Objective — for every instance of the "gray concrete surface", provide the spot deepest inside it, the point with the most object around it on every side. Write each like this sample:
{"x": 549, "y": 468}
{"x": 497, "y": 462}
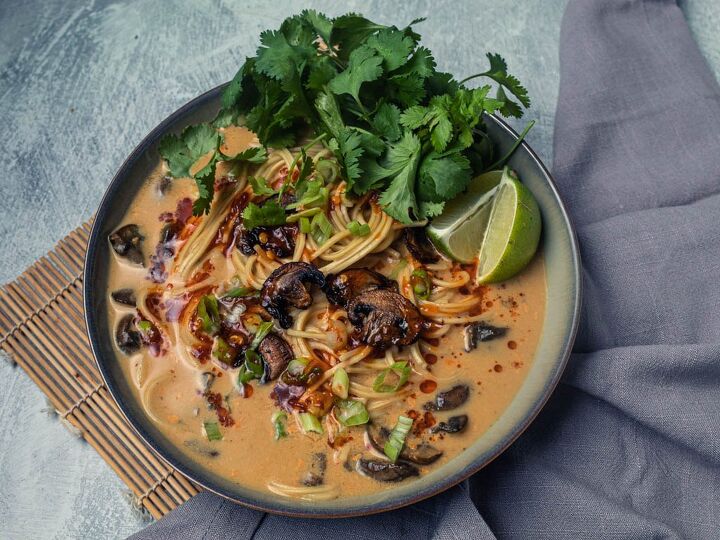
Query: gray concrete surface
{"x": 82, "y": 82}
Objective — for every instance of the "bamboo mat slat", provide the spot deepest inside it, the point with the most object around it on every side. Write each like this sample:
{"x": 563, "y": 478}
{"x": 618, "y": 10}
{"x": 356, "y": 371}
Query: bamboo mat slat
{"x": 42, "y": 329}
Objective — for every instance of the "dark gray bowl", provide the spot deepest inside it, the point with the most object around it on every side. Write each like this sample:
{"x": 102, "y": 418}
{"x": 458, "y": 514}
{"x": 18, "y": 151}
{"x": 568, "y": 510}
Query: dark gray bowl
{"x": 563, "y": 304}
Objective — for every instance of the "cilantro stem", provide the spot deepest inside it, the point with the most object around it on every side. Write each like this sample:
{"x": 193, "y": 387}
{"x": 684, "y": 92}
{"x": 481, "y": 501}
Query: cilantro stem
{"x": 304, "y": 149}
{"x": 500, "y": 162}
{"x": 471, "y": 77}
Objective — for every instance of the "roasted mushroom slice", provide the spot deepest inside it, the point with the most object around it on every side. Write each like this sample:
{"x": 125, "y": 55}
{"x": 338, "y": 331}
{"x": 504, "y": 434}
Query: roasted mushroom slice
{"x": 455, "y": 424}
{"x": 127, "y": 242}
{"x": 420, "y": 246}
{"x": 126, "y": 336}
{"x": 384, "y": 318}
{"x": 481, "y": 331}
{"x": 279, "y": 240}
{"x": 386, "y": 471}
{"x": 125, "y": 297}
{"x": 316, "y": 473}
{"x": 276, "y": 354}
{"x": 450, "y": 399}
{"x": 288, "y": 286}
{"x": 419, "y": 452}
{"x": 343, "y": 287}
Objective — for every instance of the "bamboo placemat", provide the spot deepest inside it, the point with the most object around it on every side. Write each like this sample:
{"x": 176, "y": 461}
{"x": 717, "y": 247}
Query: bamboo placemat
{"x": 42, "y": 329}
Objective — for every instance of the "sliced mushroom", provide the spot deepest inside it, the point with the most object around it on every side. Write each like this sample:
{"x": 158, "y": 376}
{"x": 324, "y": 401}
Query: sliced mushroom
{"x": 420, "y": 245}
{"x": 386, "y": 471}
{"x": 316, "y": 474}
{"x": 126, "y": 336}
{"x": 455, "y": 424}
{"x": 287, "y": 287}
{"x": 450, "y": 399}
{"x": 127, "y": 242}
{"x": 125, "y": 297}
{"x": 384, "y": 318}
{"x": 276, "y": 354}
{"x": 341, "y": 288}
{"x": 419, "y": 452}
{"x": 279, "y": 240}
{"x": 481, "y": 331}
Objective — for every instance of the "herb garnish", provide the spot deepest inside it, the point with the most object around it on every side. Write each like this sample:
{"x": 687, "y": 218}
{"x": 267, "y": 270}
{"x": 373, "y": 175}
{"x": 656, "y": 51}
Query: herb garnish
{"x": 395, "y": 123}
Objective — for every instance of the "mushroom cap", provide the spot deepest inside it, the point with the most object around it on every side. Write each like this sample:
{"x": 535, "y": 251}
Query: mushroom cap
{"x": 127, "y": 242}
{"x": 420, "y": 246}
{"x": 450, "y": 399}
{"x": 276, "y": 353}
{"x": 384, "y": 318}
{"x": 287, "y": 286}
{"x": 343, "y": 287}
{"x": 386, "y": 471}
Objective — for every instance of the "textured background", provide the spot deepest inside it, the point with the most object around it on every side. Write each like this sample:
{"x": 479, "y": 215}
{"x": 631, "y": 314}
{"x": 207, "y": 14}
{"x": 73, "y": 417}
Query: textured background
{"x": 82, "y": 82}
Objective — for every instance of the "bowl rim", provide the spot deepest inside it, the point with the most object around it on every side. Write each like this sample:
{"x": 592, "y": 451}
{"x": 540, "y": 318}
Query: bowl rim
{"x": 285, "y": 508}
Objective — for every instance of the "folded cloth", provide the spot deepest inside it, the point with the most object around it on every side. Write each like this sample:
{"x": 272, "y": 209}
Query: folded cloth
{"x": 629, "y": 445}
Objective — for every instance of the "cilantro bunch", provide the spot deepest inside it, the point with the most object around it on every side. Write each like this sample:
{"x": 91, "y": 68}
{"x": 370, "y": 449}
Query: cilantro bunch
{"x": 373, "y": 95}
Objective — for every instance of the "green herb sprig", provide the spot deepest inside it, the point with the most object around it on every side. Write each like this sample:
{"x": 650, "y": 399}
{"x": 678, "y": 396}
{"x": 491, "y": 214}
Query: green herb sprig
{"x": 374, "y": 97}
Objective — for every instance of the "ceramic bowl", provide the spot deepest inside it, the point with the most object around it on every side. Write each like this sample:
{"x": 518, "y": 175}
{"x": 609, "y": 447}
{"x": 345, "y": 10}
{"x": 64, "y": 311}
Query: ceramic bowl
{"x": 562, "y": 266}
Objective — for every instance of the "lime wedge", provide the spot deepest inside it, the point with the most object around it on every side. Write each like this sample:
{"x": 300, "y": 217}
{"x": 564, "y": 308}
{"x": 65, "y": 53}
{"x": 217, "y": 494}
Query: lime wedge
{"x": 457, "y": 232}
{"x": 512, "y": 233}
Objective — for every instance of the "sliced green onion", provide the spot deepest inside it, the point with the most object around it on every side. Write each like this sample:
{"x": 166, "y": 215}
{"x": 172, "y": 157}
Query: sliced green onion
{"x": 399, "y": 369}
{"x": 223, "y": 351}
{"x": 396, "y": 441}
{"x": 402, "y": 263}
{"x": 421, "y": 283}
{"x": 351, "y": 412}
{"x": 212, "y": 431}
{"x": 144, "y": 326}
{"x": 340, "y": 383}
{"x": 278, "y": 421}
{"x": 309, "y": 422}
{"x": 262, "y": 331}
{"x": 358, "y": 229}
{"x": 305, "y": 225}
{"x": 321, "y": 229}
{"x": 304, "y": 214}
{"x": 310, "y": 194}
{"x": 296, "y": 367}
{"x": 260, "y": 186}
{"x": 239, "y": 292}
{"x": 209, "y": 314}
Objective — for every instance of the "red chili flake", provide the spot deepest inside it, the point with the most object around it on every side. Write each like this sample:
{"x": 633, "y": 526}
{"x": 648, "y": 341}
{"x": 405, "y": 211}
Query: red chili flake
{"x": 512, "y": 345}
{"x": 216, "y": 402}
{"x": 498, "y": 368}
{"x": 427, "y": 421}
{"x": 412, "y": 414}
{"x": 428, "y": 386}
{"x": 201, "y": 351}
{"x": 431, "y": 359}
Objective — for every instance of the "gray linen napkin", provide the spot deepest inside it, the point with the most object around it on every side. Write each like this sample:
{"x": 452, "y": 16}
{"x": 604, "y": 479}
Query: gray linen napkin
{"x": 629, "y": 445}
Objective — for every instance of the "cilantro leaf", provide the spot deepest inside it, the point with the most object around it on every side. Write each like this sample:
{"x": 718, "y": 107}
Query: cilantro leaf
{"x": 393, "y": 46}
{"x": 364, "y": 66}
{"x": 260, "y": 187}
{"x": 398, "y": 200}
{"x": 443, "y": 177}
{"x": 350, "y": 31}
{"x": 206, "y": 190}
{"x": 268, "y": 215}
{"x": 182, "y": 152}
{"x": 254, "y": 154}
{"x": 387, "y": 121}
{"x": 320, "y": 23}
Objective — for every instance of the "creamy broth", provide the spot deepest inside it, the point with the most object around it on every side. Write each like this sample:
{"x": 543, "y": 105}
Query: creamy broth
{"x": 169, "y": 382}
